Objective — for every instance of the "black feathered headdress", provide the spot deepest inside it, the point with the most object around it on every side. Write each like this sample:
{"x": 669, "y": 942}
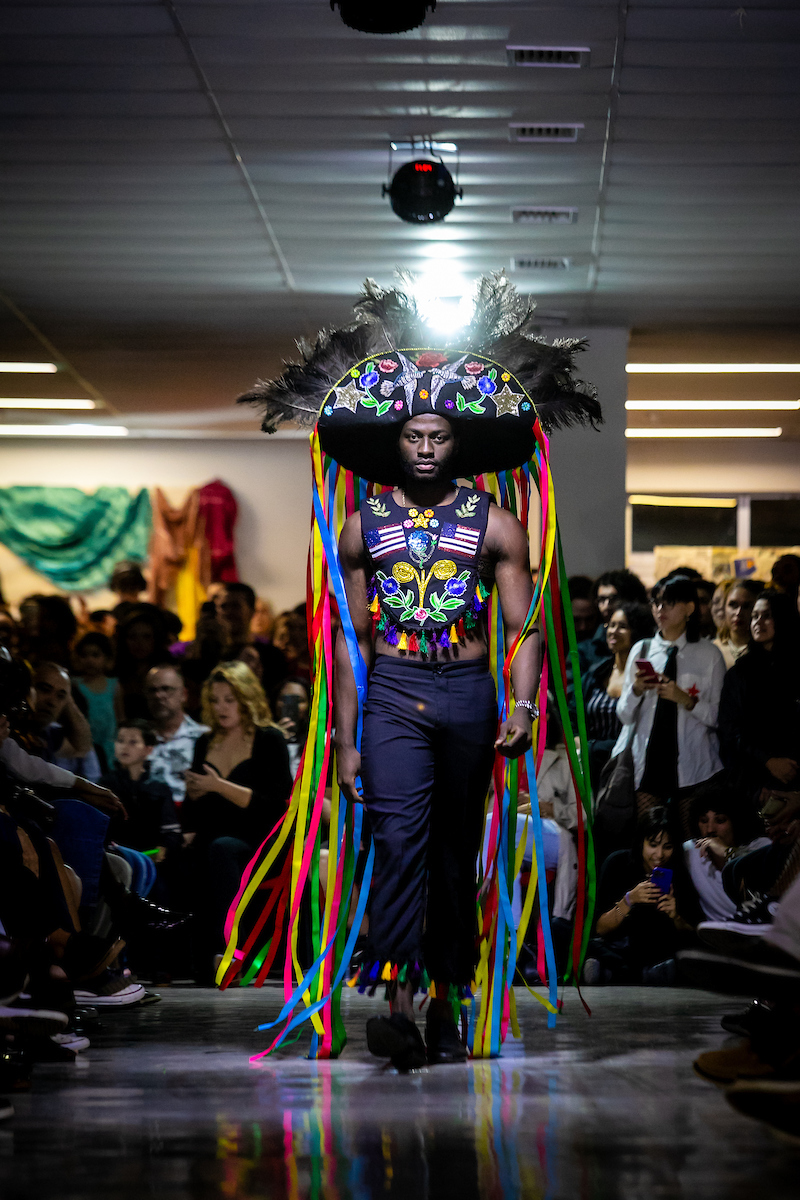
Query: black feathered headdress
{"x": 361, "y": 383}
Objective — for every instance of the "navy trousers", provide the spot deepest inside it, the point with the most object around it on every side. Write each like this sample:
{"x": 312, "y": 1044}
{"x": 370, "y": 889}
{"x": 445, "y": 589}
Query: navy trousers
{"x": 427, "y": 751}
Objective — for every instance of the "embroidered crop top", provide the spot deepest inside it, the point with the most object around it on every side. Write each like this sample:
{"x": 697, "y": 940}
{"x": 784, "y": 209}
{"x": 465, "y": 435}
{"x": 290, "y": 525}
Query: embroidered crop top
{"x": 425, "y": 591}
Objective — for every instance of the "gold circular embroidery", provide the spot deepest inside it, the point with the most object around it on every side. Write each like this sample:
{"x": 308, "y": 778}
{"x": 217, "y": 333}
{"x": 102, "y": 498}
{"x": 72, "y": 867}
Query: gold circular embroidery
{"x": 402, "y": 572}
{"x": 428, "y": 512}
{"x": 445, "y": 569}
{"x": 412, "y": 512}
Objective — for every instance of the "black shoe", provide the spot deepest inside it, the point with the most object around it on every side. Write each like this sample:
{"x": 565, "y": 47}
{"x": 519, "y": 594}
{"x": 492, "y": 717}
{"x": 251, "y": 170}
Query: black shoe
{"x": 749, "y": 1020}
{"x": 444, "y": 1044}
{"x": 526, "y": 966}
{"x": 398, "y": 1039}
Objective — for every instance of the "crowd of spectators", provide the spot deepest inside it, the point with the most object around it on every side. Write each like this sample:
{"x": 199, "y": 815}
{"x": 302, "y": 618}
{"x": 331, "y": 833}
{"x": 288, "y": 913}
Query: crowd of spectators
{"x": 691, "y": 700}
{"x": 140, "y": 772}
{"x": 138, "y": 775}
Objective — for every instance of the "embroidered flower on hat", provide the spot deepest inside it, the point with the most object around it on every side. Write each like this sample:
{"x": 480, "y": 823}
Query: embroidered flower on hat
{"x": 431, "y": 358}
{"x": 328, "y": 410}
{"x": 449, "y": 404}
{"x": 390, "y": 587}
{"x": 455, "y": 587}
{"x": 423, "y": 394}
{"x": 421, "y": 614}
{"x": 386, "y": 365}
{"x": 487, "y": 385}
{"x": 399, "y": 405}
{"x": 408, "y": 524}
{"x": 475, "y": 368}
{"x": 370, "y": 379}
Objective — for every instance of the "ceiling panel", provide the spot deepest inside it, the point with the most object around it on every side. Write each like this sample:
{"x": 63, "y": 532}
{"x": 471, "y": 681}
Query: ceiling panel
{"x": 125, "y": 222}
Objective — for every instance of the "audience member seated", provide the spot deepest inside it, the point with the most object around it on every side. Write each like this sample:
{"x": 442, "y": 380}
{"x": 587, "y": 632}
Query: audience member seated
{"x": 733, "y": 636}
{"x": 236, "y": 792}
{"x": 48, "y": 629}
{"x": 607, "y": 592}
{"x": 584, "y": 610}
{"x": 61, "y": 733}
{"x": 93, "y": 658}
{"x": 786, "y": 575}
{"x": 291, "y": 711}
{"x": 602, "y": 685}
{"x": 128, "y": 583}
{"x": 176, "y": 732}
{"x": 141, "y": 645}
{"x": 669, "y": 712}
{"x": 759, "y": 717}
{"x": 647, "y": 910}
{"x": 236, "y": 607}
{"x": 722, "y": 832}
{"x": 290, "y": 636}
{"x": 152, "y": 824}
{"x": 198, "y": 658}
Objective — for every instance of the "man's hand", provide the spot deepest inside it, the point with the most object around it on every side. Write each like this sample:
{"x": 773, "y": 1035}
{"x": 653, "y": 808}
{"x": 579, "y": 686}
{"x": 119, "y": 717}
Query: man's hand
{"x": 100, "y": 797}
{"x": 712, "y": 849}
{"x": 348, "y": 767}
{"x": 515, "y": 738}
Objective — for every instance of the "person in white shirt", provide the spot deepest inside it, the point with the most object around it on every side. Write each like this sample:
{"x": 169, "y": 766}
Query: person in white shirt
{"x": 175, "y": 730}
{"x": 716, "y": 822}
{"x": 668, "y": 709}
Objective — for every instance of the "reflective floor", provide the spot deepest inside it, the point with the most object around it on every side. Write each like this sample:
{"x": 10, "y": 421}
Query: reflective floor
{"x": 165, "y": 1105}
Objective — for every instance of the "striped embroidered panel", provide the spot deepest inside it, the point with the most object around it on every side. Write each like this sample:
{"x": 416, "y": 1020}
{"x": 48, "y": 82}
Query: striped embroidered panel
{"x": 459, "y": 539}
{"x": 386, "y": 540}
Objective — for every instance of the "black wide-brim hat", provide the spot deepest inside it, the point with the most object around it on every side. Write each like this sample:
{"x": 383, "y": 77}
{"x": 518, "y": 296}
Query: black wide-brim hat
{"x": 360, "y": 388}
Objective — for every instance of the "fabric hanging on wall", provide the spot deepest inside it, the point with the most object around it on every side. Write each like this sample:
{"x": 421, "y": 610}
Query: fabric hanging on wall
{"x": 219, "y": 510}
{"x": 179, "y": 558}
{"x": 72, "y": 537}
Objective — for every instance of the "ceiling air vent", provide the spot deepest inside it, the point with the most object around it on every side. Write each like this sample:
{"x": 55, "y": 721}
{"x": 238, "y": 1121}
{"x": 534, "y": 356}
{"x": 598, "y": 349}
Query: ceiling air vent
{"x": 541, "y": 215}
{"x": 530, "y": 263}
{"x": 543, "y": 133}
{"x": 548, "y": 56}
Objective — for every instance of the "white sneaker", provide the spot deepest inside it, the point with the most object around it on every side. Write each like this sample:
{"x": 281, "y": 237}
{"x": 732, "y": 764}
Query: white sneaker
{"x": 113, "y": 993}
{"x": 71, "y": 1041}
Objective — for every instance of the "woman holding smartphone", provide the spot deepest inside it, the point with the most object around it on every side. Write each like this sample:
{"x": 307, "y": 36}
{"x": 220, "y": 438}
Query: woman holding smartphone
{"x": 670, "y": 700}
{"x": 647, "y": 910}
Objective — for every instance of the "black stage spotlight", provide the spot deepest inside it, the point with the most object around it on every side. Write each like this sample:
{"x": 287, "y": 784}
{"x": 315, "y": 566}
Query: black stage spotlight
{"x": 383, "y": 16}
{"x": 422, "y": 191}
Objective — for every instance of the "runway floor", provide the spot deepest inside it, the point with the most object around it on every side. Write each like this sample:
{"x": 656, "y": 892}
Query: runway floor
{"x": 165, "y": 1105}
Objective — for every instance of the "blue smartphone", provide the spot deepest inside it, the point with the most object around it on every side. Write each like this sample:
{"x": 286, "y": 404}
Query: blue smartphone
{"x": 662, "y": 878}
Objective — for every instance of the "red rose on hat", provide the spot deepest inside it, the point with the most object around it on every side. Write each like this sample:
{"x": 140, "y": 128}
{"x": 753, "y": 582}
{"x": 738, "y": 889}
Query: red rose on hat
{"x": 386, "y": 365}
{"x": 475, "y": 368}
{"x": 431, "y": 358}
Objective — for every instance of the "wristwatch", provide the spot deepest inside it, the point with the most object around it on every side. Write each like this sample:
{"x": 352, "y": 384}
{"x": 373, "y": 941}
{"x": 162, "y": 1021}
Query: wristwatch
{"x": 530, "y": 707}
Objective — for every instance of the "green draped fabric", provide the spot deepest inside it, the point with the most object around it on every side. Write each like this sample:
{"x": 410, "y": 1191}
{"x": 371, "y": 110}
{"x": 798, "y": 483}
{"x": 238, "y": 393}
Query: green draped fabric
{"x": 73, "y": 537}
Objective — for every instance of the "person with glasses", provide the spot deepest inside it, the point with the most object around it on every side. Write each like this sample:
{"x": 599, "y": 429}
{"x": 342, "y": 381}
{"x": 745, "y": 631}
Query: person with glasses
{"x": 176, "y": 731}
{"x": 669, "y": 702}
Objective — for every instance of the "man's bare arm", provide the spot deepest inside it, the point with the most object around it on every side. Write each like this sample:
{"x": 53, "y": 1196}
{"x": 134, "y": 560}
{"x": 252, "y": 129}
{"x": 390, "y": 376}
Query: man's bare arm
{"x": 77, "y": 735}
{"x": 354, "y": 569}
{"x": 508, "y": 544}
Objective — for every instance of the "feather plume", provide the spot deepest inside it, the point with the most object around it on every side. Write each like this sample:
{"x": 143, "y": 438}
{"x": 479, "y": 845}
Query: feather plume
{"x": 502, "y": 327}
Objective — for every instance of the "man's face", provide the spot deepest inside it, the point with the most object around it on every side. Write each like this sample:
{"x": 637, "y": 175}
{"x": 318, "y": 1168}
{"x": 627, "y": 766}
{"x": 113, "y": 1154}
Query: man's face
{"x": 52, "y": 688}
{"x": 584, "y": 614}
{"x": 236, "y": 613}
{"x": 606, "y": 601}
{"x": 165, "y": 694}
{"x": 427, "y": 446}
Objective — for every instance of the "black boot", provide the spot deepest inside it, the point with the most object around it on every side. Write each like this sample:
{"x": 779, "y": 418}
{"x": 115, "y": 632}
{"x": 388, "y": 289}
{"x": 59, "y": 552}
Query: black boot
{"x": 398, "y": 1039}
{"x": 443, "y": 1041}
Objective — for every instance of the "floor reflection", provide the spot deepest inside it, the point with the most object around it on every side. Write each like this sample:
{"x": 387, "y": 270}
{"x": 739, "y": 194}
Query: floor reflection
{"x": 343, "y": 1136}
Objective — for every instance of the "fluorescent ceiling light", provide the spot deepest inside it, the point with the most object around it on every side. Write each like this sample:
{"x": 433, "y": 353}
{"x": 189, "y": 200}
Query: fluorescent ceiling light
{"x": 711, "y": 405}
{"x": 683, "y": 501}
{"x": 760, "y": 432}
{"x": 63, "y": 431}
{"x": 32, "y": 368}
{"x": 29, "y": 402}
{"x": 710, "y": 368}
